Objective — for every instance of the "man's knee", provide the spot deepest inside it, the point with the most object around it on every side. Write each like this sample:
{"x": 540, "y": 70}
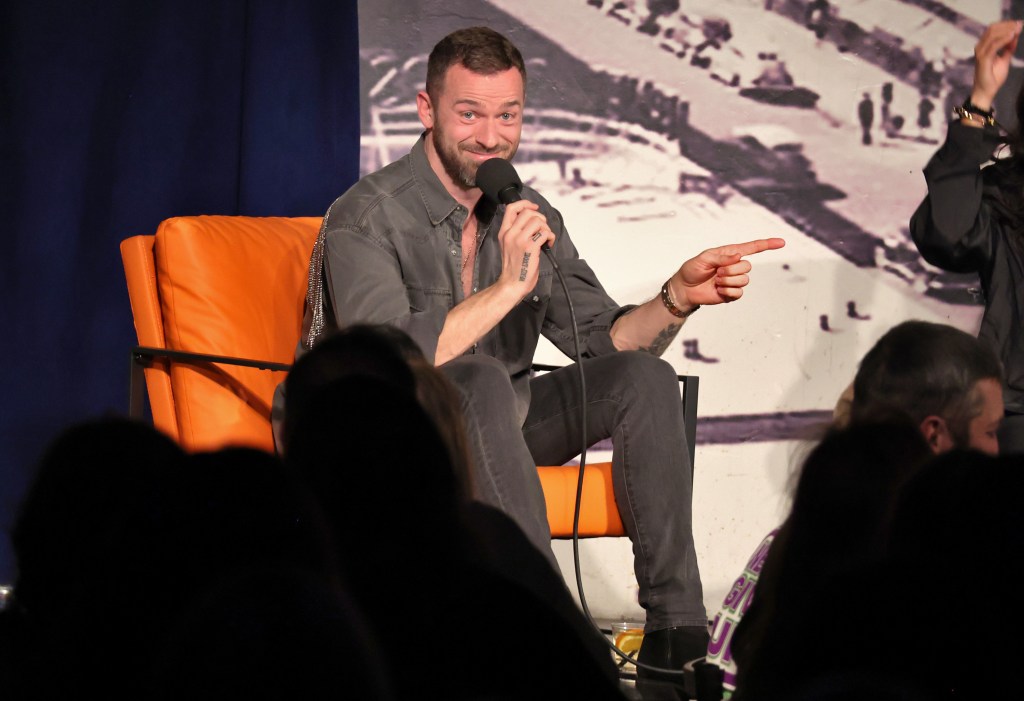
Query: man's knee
{"x": 645, "y": 384}
{"x": 644, "y": 372}
{"x": 479, "y": 376}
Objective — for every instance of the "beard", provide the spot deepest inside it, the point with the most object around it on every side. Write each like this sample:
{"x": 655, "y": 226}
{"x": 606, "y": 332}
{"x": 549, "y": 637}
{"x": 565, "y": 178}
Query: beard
{"x": 460, "y": 168}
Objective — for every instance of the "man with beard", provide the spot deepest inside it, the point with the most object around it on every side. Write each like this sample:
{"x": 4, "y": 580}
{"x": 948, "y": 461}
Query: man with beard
{"x": 415, "y": 245}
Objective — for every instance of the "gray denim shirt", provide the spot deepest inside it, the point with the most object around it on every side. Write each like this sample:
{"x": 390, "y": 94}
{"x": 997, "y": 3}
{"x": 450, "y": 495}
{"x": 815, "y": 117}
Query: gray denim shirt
{"x": 390, "y": 252}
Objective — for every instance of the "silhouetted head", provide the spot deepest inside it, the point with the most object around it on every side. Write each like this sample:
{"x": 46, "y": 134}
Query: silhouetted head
{"x": 846, "y": 489}
{"x": 102, "y": 492}
{"x": 97, "y": 575}
{"x": 380, "y": 352}
{"x": 835, "y": 533}
{"x": 378, "y": 467}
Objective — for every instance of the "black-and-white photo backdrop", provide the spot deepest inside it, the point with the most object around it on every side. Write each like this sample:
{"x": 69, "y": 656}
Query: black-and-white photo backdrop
{"x": 663, "y": 127}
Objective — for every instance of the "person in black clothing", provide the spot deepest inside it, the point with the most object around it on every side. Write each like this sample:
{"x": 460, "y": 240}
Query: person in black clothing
{"x": 866, "y": 115}
{"x": 973, "y": 218}
{"x": 924, "y": 113}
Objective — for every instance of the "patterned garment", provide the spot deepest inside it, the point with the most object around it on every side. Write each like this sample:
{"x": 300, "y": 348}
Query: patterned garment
{"x": 736, "y": 603}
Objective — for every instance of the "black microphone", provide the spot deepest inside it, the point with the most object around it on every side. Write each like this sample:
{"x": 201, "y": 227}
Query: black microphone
{"x": 500, "y": 183}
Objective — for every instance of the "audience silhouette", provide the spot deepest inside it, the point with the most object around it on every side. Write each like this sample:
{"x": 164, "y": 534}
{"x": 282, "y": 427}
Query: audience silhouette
{"x": 495, "y": 541}
{"x": 147, "y": 573}
{"x": 271, "y": 632}
{"x": 398, "y": 513}
{"x": 359, "y": 565}
{"x": 97, "y": 573}
{"x": 835, "y": 531}
{"x": 953, "y": 554}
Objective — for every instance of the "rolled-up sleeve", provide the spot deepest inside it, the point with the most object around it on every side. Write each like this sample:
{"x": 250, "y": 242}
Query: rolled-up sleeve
{"x": 595, "y": 310}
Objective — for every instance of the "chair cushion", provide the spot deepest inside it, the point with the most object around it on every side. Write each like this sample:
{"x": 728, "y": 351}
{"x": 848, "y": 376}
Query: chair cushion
{"x": 599, "y": 514}
{"x": 231, "y": 286}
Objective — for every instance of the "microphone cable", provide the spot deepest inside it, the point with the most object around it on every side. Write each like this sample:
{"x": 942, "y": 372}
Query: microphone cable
{"x": 498, "y": 180}
{"x": 579, "y": 482}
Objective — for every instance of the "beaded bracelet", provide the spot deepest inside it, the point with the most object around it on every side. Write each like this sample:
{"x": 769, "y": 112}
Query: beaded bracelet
{"x": 670, "y": 304}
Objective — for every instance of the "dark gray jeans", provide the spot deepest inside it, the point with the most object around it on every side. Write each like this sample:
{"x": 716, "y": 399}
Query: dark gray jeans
{"x": 633, "y": 398}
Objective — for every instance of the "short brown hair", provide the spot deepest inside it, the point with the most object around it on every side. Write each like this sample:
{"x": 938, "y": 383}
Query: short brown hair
{"x": 480, "y": 49}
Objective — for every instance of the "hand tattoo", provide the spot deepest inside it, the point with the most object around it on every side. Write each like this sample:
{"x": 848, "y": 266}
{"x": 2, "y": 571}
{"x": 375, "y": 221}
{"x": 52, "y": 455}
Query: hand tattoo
{"x": 522, "y": 270}
{"x": 661, "y": 341}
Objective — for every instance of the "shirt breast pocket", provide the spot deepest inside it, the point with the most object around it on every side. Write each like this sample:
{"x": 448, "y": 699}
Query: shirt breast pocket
{"x": 425, "y": 299}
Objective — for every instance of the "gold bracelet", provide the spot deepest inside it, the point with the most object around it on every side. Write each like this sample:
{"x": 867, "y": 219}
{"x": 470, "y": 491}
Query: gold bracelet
{"x": 983, "y": 119}
{"x": 670, "y": 304}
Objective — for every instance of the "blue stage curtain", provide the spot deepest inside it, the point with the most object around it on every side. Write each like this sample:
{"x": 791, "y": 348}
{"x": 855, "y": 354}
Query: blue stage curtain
{"x": 115, "y": 115}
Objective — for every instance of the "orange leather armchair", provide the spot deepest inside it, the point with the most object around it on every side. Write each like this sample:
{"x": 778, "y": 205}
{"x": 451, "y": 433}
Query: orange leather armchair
{"x": 218, "y": 304}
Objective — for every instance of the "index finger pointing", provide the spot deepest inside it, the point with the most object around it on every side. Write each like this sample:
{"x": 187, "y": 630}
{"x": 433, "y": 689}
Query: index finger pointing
{"x": 752, "y": 247}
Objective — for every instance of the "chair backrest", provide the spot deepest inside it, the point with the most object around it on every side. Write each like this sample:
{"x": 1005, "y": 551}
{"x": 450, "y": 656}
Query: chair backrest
{"x": 221, "y": 285}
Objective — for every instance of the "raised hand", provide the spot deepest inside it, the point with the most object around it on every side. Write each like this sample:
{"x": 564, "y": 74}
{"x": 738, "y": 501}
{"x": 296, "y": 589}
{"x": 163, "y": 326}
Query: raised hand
{"x": 992, "y": 56}
{"x": 718, "y": 275}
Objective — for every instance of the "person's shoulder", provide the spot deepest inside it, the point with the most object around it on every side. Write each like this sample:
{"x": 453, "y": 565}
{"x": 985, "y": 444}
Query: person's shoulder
{"x": 357, "y": 205}
{"x": 546, "y": 208}
{"x": 529, "y": 193}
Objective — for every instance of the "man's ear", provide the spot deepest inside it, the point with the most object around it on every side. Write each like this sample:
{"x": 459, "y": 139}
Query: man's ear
{"x": 936, "y": 432}
{"x": 425, "y": 109}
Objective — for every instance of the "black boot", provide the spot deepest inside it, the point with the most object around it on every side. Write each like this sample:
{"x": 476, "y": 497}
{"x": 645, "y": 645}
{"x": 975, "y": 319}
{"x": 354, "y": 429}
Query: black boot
{"x": 669, "y": 648}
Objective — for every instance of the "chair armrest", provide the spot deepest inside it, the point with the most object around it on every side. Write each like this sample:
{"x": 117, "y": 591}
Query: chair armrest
{"x": 143, "y": 356}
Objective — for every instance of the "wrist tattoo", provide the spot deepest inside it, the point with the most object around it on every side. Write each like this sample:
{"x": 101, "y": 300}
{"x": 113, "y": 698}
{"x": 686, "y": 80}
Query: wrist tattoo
{"x": 662, "y": 340}
{"x": 522, "y": 270}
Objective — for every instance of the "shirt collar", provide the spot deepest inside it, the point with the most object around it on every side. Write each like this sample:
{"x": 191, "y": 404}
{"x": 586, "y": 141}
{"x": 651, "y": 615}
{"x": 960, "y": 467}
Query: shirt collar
{"x": 437, "y": 200}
